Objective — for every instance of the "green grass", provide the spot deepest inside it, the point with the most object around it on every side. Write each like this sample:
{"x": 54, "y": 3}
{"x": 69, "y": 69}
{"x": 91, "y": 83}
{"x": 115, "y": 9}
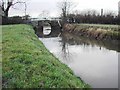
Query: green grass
{"x": 28, "y": 64}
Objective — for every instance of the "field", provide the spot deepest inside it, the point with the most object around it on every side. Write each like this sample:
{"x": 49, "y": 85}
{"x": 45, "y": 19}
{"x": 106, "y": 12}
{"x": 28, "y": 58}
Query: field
{"x": 28, "y": 64}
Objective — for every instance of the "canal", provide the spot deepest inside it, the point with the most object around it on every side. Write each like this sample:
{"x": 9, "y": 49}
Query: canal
{"x": 95, "y": 62}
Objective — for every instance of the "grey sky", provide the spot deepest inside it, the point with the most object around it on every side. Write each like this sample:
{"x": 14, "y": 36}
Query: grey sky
{"x": 36, "y": 7}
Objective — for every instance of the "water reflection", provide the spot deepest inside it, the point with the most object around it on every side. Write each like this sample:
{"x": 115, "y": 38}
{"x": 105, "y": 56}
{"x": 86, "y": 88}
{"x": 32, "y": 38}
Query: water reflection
{"x": 65, "y": 53}
{"x": 46, "y": 30}
{"x": 96, "y": 62}
{"x": 75, "y": 40}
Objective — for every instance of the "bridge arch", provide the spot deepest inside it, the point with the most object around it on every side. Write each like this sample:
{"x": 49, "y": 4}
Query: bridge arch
{"x": 55, "y": 27}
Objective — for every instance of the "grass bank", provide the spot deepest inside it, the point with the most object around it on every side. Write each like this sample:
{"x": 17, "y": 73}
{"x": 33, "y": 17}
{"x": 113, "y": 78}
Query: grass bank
{"x": 96, "y": 31}
{"x": 28, "y": 64}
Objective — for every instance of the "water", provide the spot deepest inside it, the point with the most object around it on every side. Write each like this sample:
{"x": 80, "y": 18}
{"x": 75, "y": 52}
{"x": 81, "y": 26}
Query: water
{"x": 94, "y": 62}
{"x": 46, "y": 30}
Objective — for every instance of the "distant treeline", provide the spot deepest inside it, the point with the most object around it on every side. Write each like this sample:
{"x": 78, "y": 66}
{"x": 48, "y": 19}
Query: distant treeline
{"x": 94, "y": 18}
{"x": 14, "y": 20}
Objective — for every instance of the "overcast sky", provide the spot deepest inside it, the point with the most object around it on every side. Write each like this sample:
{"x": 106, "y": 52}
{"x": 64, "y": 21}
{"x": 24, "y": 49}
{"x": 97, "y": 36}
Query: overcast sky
{"x": 36, "y": 7}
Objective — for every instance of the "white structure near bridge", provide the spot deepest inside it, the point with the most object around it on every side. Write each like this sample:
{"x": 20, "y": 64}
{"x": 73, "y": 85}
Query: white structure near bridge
{"x": 48, "y": 18}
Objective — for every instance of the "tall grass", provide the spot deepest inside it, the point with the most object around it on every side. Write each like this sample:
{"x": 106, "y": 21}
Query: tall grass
{"x": 98, "y": 31}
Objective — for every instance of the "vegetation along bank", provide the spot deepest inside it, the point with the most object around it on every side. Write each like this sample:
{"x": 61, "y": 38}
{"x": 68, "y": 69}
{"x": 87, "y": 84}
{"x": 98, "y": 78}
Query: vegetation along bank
{"x": 96, "y": 31}
{"x": 28, "y": 64}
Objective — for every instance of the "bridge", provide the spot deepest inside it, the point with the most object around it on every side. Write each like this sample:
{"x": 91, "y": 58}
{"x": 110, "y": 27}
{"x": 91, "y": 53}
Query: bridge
{"x": 39, "y": 23}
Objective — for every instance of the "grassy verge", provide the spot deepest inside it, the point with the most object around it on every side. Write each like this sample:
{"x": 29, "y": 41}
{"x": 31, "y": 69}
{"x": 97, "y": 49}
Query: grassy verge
{"x": 28, "y": 64}
{"x": 97, "y": 31}
{"x": 0, "y": 57}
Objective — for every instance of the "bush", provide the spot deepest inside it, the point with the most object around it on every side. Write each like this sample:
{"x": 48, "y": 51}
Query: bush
{"x": 12, "y": 20}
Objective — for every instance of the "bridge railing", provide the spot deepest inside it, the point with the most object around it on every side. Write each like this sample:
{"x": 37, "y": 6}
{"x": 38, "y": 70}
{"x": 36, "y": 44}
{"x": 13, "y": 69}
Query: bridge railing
{"x": 44, "y": 19}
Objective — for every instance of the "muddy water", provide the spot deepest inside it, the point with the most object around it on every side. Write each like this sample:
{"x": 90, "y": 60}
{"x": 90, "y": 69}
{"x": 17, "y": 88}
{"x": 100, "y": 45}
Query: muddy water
{"x": 95, "y": 62}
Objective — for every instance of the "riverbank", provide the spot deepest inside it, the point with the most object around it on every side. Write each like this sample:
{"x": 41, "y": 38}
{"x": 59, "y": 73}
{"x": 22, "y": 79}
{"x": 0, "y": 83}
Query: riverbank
{"x": 96, "y": 31}
{"x": 26, "y": 63}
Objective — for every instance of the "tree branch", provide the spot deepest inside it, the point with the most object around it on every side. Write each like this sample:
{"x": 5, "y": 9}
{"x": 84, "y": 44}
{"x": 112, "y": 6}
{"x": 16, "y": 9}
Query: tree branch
{"x": 17, "y": 3}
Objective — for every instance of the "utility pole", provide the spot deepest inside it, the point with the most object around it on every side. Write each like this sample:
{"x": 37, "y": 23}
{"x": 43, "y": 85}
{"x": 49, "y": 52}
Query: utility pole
{"x": 25, "y": 11}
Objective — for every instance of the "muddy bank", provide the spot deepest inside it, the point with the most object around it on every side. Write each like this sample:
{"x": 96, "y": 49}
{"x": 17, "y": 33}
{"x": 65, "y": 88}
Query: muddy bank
{"x": 98, "y": 32}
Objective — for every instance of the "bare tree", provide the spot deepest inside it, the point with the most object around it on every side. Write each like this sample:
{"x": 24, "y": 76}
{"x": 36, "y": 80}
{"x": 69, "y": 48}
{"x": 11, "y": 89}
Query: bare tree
{"x": 7, "y": 4}
{"x": 44, "y": 14}
{"x": 91, "y": 12}
{"x": 110, "y": 13}
{"x": 65, "y": 6}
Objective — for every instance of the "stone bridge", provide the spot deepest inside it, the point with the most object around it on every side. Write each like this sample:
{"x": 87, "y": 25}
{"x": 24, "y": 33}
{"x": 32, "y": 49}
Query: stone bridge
{"x": 56, "y": 26}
